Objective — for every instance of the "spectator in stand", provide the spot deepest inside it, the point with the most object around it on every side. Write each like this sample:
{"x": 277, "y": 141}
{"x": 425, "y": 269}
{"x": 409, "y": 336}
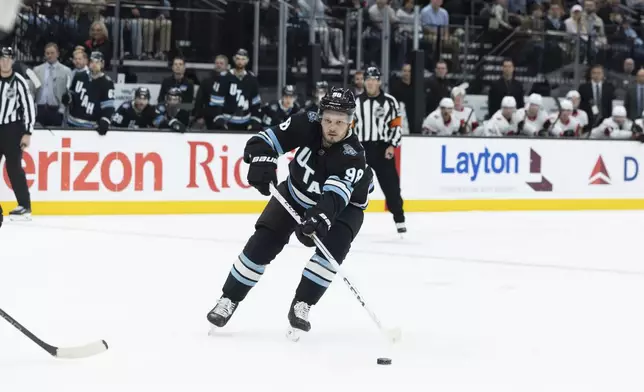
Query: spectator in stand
{"x": 608, "y": 10}
{"x": 157, "y": 22}
{"x": 80, "y": 60}
{"x": 99, "y": 41}
{"x": 555, "y": 46}
{"x": 624, "y": 80}
{"x": 597, "y": 96}
{"x": 179, "y": 80}
{"x": 598, "y": 41}
{"x": 373, "y": 35}
{"x": 505, "y": 86}
{"x": 435, "y": 20}
{"x": 499, "y": 23}
{"x": 635, "y": 4}
{"x": 575, "y": 25}
{"x": 54, "y": 78}
{"x": 438, "y": 86}
{"x": 405, "y": 16}
{"x": 532, "y": 50}
{"x": 334, "y": 54}
{"x": 634, "y": 101}
{"x": 358, "y": 83}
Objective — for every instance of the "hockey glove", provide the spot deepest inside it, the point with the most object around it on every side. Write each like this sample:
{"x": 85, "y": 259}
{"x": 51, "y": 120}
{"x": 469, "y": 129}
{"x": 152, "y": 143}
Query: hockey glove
{"x": 315, "y": 222}
{"x": 177, "y": 125}
{"x": 66, "y": 98}
{"x": 637, "y": 128}
{"x": 543, "y": 132}
{"x": 220, "y": 124}
{"x": 262, "y": 172}
{"x": 568, "y": 133}
{"x": 103, "y": 126}
{"x": 608, "y": 131}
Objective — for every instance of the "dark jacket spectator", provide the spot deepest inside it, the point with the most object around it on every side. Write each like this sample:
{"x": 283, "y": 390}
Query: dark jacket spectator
{"x": 99, "y": 41}
{"x": 438, "y": 86}
{"x": 604, "y": 104}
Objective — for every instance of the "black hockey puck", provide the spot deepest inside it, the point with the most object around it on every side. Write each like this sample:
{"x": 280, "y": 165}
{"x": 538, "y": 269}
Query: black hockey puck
{"x": 384, "y": 361}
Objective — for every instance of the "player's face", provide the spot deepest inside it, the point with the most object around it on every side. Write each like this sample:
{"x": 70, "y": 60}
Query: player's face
{"x": 241, "y": 61}
{"x": 6, "y": 63}
{"x": 140, "y": 103}
{"x": 178, "y": 66}
{"x": 565, "y": 115}
{"x": 533, "y": 110}
{"x": 96, "y": 66}
{"x": 358, "y": 80}
{"x": 575, "y": 102}
{"x": 335, "y": 126}
{"x": 446, "y": 113}
{"x": 507, "y": 112}
{"x": 288, "y": 100}
{"x": 80, "y": 61}
{"x": 221, "y": 65}
{"x": 619, "y": 119}
{"x": 319, "y": 94}
{"x": 172, "y": 101}
{"x": 372, "y": 85}
{"x": 459, "y": 100}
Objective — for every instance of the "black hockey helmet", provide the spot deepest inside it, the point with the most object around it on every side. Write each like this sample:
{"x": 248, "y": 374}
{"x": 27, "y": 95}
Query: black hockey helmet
{"x": 96, "y": 56}
{"x": 288, "y": 90}
{"x": 339, "y": 100}
{"x": 372, "y": 72}
{"x": 241, "y": 52}
{"x": 142, "y": 92}
{"x": 322, "y": 85}
{"x": 7, "y": 51}
{"x": 173, "y": 94}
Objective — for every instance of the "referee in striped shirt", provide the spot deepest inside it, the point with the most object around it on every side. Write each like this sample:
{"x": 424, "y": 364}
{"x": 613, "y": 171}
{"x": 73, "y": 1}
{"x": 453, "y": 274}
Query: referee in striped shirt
{"x": 17, "y": 117}
{"x": 379, "y": 129}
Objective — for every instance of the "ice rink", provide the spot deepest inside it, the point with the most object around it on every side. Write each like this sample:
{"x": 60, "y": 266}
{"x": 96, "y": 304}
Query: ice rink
{"x": 534, "y": 301}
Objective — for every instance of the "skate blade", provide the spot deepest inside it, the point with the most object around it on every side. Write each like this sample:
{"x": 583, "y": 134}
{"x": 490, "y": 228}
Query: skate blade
{"x": 294, "y": 334}
{"x": 20, "y": 218}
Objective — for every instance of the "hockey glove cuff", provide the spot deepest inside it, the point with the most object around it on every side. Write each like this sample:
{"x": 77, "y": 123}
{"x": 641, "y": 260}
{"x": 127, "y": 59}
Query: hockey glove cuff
{"x": 177, "y": 125}
{"x": 262, "y": 172}
{"x": 103, "y": 126}
{"x": 315, "y": 222}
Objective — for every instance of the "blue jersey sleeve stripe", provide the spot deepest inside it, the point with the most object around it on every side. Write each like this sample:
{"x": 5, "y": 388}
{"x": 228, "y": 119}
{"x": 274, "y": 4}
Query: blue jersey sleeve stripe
{"x": 276, "y": 142}
{"x": 108, "y": 104}
{"x": 264, "y": 137}
{"x": 248, "y": 263}
{"x": 339, "y": 191}
{"x": 341, "y": 184}
{"x": 316, "y": 279}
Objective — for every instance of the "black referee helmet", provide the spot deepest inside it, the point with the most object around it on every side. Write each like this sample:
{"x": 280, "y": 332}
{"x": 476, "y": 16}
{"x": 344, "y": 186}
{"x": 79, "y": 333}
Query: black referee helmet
{"x": 339, "y": 100}
{"x": 288, "y": 90}
{"x": 372, "y": 72}
{"x": 7, "y": 51}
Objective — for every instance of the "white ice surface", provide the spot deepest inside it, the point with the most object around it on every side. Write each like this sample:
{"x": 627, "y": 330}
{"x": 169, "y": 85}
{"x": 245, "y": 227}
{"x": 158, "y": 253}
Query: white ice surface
{"x": 487, "y": 302}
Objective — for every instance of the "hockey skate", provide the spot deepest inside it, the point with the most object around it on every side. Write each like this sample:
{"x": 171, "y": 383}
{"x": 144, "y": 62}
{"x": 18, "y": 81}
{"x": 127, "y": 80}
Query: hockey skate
{"x": 298, "y": 317}
{"x": 20, "y": 213}
{"x": 401, "y": 228}
{"x": 221, "y": 313}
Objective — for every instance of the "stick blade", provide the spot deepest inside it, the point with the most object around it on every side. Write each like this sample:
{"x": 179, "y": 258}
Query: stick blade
{"x": 85, "y": 351}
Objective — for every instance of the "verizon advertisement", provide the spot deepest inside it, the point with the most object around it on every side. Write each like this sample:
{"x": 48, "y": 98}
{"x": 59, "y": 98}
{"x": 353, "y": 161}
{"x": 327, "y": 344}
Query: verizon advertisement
{"x": 170, "y": 168}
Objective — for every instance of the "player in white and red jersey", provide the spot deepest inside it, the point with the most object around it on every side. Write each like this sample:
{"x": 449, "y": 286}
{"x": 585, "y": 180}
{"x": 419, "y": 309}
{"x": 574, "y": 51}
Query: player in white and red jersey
{"x": 580, "y": 115}
{"x": 618, "y": 126}
{"x": 504, "y": 122}
{"x": 533, "y": 119}
{"x": 465, "y": 116}
{"x": 564, "y": 124}
{"x": 441, "y": 121}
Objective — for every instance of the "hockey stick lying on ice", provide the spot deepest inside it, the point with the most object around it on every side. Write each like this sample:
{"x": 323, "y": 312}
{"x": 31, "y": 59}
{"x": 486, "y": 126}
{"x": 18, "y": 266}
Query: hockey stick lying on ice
{"x": 58, "y": 352}
{"x": 393, "y": 334}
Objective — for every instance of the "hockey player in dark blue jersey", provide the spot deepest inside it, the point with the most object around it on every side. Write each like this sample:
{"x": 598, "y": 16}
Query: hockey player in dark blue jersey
{"x": 170, "y": 115}
{"x": 328, "y": 184}
{"x": 279, "y": 110}
{"x": 137, "y": 113}
{"x": 91, "y": 97}
{"x": 235, "y": 101}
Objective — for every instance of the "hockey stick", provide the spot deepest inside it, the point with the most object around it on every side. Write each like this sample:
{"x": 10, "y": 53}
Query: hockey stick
{"x": 392, "y": 334}
{"x": 58, "y": 352}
